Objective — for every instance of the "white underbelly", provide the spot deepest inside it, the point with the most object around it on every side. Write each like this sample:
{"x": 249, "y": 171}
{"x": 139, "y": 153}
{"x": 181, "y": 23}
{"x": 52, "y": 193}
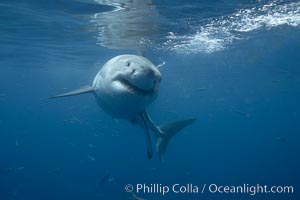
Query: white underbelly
{"x": 122, "y": 105}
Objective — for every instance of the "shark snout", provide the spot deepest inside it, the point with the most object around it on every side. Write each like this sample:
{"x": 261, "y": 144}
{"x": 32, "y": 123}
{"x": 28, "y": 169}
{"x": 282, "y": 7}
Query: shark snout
{"x": 146, "y": 78}
{"x": 156, "y": 78}
{"x": 155, "y": 85}
{"x": 156, "y": 82}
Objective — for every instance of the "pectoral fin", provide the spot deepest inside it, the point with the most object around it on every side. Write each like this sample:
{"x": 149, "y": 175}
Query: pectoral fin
{"x": 148, "y": 138}
{"x": 83, "y": 90}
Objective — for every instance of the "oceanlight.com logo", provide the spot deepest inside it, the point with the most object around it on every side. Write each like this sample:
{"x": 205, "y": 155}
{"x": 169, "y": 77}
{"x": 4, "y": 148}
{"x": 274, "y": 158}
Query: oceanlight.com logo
{"x": 207, "y": 188}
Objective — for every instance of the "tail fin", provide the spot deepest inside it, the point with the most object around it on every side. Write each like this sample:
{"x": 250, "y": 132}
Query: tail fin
{"x": 83, "y": 90}
{"x": 167, "y": 132}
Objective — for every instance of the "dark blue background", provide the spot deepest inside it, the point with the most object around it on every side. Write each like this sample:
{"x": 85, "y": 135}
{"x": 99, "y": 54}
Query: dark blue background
{"x": 245, "y": 98}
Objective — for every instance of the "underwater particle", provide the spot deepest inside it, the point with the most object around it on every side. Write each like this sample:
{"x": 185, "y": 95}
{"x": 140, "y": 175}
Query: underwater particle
{"x": 108, "y": 178}
{"x": 20, "y": 168}
{"x": 91, "y": 158}
{"x": 282, "y": 71}
{"x": 72, "y": 144}
{"x": 153, "y": 168}
{"x": 161, "y": 64}
{"x": 96, "y": 135}
{"x": 3, "y": 95}
{"x": 188, "y": 173}
{"x": 11, "y": 169}
{"x": 172, "y": 112}
{"x": 56, "y": 171}
{"x": 115, "y": 133}
{"x": 247, "y": 101}
{"x": 219, "y": 100}
{"x": 280, "y": 139}
{"x": 75, "y": 120}
{"x": 91, "y": 145}
{"x": 283, "y": 91}
{"x": 111, "y": 179}
{"x": 242, "y": 113}
{"x": 134, "y": 196}
{"x": 275, "y": 81}
{"x": 6, "y": 170}
{"x": 201, "y": 89}
{"x": 17, "y": 143}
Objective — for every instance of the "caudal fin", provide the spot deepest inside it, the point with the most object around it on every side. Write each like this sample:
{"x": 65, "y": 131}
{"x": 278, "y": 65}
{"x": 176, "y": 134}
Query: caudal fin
{"x": 83, "y": 90}
{"x": 167, "y": 132}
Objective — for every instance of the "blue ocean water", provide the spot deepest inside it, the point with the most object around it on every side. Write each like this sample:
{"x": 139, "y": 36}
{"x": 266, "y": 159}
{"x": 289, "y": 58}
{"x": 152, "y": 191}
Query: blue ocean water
{"x": 234, "y": 65}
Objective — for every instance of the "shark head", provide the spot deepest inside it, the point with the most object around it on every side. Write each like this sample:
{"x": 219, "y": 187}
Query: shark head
{"x": 137, "y": 76}
{"x": 126, "y": 84}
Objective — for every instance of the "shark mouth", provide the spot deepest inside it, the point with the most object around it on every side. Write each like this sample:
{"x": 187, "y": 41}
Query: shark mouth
{"x": 134, "y": 89}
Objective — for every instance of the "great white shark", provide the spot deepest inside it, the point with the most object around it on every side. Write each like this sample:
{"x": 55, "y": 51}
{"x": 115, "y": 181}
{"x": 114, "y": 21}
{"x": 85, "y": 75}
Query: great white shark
{"x": 123, "y": 88}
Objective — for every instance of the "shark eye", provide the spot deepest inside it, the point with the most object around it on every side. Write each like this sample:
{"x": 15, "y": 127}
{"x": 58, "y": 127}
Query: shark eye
{"x": 128, "y": 64}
